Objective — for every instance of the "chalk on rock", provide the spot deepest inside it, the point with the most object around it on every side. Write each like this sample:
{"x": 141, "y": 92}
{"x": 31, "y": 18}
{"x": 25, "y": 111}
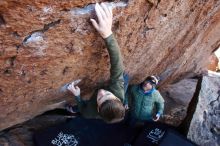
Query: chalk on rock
{"x": 89, "y": 8}
{"x": 34, "y": 38}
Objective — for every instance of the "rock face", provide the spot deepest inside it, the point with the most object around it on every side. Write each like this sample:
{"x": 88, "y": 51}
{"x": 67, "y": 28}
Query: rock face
{"x": 45, "y": 44}
{"x": 177, "y": 98}
{"x": 213, "y": 63}
{"x": 205, "y": 125}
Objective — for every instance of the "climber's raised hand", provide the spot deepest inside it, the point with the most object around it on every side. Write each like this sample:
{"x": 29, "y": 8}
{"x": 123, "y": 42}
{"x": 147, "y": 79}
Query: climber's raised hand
{"x": 104, "y": 24}
{"x": 74, "y": 89}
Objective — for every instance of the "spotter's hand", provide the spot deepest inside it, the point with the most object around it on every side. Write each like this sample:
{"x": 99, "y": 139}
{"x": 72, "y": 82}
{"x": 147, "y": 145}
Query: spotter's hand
{"x": 157, "y": 117}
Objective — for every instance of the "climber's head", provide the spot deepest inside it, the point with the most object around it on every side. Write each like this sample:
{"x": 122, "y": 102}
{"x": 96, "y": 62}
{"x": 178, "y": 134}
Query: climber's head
{"x": 110, "y": 107}
{"x": 149, "y": 83}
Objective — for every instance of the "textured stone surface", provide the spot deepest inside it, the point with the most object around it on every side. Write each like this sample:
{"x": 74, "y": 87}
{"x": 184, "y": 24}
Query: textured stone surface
{"x": 45, "y": 44}
{"x": 213, "y": 63}
{"x": 205, "y": 125}
{"x": 177, "y": 98}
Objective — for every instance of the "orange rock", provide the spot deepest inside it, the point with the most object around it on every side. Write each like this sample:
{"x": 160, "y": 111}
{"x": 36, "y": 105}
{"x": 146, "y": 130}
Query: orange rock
{"x": 213, "y": 63}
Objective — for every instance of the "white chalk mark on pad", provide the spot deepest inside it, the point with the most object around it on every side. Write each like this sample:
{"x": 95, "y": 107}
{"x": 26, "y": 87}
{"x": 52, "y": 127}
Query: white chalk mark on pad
{"x": 65, "y": 140}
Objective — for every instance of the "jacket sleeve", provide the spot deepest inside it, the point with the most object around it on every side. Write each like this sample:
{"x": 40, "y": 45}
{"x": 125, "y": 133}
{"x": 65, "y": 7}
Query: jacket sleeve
{"x": 128, "y": 96}
{"x": 126, "y": 99}
{"x": 116, "y": 85}
{"x": 159, "y": 103}
{"x": 81, "y": 103}
{"x": 88, "y": 108}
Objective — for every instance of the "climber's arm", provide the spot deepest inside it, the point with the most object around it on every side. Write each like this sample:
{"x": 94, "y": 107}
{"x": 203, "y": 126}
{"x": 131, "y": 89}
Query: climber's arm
{"x": 104, "y": 15}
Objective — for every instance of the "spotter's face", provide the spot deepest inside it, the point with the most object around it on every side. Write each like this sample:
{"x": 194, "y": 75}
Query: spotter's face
{"x": 147, "y": 86}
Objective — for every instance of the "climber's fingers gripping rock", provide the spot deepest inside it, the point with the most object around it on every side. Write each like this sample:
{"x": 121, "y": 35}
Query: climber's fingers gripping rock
{"x": 74, "y": 89}
{"x": 104, "y": 24}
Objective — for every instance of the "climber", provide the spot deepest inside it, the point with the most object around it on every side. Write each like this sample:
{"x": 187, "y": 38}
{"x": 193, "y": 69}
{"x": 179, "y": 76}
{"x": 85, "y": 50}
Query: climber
{"x": 140, "y": 99}
{"x": 107, "y": 103}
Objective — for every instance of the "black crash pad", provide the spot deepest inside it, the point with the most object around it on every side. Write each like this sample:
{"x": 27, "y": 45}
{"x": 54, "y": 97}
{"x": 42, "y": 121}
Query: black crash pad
{"x": 159, "y": 134}
{"x": 84, "y": 132}
{"x": 92, "y": 132}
